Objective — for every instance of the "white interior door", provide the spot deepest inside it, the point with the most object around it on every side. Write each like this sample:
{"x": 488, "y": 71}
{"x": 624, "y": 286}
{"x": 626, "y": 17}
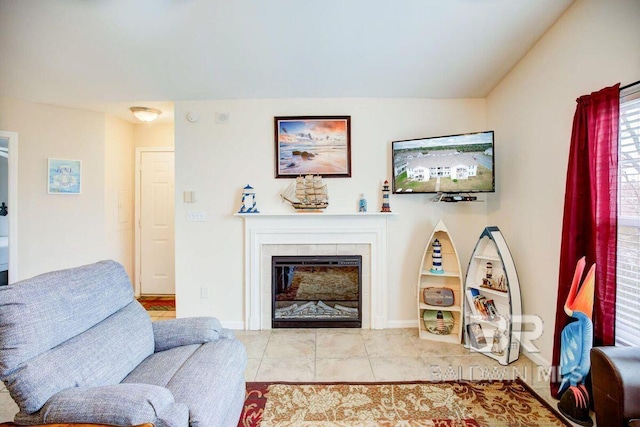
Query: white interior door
{"x": 157, "y": 260}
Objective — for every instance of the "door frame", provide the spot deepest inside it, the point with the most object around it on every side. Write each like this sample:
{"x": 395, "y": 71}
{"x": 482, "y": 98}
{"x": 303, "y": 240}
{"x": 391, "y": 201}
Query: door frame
{"x": 12, "y": 200}
{"x": 139, "y": 151}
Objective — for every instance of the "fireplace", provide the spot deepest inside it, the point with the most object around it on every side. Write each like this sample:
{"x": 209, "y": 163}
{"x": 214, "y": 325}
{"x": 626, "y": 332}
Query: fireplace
{"x": 314, "y": 234}
{"x": 316, "y": 291}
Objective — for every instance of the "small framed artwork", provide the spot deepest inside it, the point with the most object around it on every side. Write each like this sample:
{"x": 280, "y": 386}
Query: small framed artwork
{"x": 313, "y": 145}
{"x": 64, "y": 176}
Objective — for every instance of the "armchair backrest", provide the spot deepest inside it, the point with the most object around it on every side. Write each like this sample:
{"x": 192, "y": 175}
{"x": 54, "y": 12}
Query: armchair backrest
{"x": 70, "y": 328}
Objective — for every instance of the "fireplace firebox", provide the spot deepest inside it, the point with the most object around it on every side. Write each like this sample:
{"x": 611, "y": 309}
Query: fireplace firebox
{"x": 316, "y": 291}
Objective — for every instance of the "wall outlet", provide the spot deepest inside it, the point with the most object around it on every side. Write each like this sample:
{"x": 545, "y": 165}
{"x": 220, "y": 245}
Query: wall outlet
{"x": 204, "y": 292}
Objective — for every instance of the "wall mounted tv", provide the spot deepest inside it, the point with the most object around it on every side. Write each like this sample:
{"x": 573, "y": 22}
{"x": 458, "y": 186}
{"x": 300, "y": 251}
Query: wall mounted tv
{"x": 444, "y": 164}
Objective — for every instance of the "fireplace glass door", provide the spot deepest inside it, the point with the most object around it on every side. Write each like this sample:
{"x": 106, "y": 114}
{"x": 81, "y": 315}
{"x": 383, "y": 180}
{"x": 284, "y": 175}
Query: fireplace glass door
{"x": 316, "y": 291}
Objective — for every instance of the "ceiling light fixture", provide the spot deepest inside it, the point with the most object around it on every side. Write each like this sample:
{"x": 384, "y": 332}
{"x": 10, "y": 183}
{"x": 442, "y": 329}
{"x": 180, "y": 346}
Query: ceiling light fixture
{"x": 145, "y": 114}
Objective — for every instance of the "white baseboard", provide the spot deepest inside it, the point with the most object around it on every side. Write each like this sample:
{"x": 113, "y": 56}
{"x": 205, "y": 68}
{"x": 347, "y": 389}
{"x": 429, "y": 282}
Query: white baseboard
{"x": 536, "y": 358}
{"x": 403, "y": 324}
{"x": 237, "y": 325}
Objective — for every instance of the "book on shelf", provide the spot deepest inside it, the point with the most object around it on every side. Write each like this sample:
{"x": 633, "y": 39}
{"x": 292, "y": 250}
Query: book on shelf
{"x": 492, "y": 311}
{"x": 472, "y": 294}
{"x": 481, "y": 306}
{"x": 476, "y": 335}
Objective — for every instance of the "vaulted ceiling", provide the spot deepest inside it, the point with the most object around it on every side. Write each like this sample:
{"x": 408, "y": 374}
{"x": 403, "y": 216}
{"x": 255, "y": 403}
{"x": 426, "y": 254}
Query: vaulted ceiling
{"x": 99, "y": 54}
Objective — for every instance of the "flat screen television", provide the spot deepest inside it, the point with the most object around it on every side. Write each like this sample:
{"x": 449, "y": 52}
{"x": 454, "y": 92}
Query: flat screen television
{"x": 444, "y": 164}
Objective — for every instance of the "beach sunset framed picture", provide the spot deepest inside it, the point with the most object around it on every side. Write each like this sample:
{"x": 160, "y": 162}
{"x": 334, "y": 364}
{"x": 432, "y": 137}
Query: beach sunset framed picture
{"x": 316, "y": 145}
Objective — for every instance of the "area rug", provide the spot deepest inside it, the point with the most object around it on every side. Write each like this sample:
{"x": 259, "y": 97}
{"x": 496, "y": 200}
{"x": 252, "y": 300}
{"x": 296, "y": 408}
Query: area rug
{"x": 437, "y": 404}
{"x": 158, "y": 303}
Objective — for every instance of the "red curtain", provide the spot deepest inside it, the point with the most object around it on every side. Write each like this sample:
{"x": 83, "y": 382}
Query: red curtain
{"x": 589, "y": 226}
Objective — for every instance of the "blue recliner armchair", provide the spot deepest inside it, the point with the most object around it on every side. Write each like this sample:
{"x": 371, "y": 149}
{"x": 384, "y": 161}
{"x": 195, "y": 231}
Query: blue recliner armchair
{"x": 76, "y": 347}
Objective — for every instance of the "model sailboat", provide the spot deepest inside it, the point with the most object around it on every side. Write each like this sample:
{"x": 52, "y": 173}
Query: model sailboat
{"x": 307, "y": 193}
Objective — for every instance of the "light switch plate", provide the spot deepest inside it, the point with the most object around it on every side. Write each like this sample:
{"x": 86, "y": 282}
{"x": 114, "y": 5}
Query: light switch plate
{"x": 196, "y": 216}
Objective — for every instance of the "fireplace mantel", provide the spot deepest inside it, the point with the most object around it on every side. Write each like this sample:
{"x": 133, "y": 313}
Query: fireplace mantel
{"x": 314, "y": 229}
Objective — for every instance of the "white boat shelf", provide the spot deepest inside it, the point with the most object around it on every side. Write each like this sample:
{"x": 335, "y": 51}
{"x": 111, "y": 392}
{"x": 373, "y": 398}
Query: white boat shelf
{"x": 489, "y": 312}
{"x": 445, "y": 273}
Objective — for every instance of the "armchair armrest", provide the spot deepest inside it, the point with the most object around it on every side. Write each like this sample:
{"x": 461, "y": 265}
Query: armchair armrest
{"x": 119, "y": 404}
{"x": 178, "y": 332}
{"x": 616, "y": 384}
{"x": 70, "y": 425}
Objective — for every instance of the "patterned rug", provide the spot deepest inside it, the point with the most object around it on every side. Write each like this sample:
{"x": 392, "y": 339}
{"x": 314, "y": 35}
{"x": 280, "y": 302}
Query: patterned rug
{"x": 158, "y": 303}
{"x": 438, "y": 404}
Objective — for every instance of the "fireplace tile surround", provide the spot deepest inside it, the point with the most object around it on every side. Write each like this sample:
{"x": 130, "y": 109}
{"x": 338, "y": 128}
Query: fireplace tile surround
{"x": 267, "y": 235}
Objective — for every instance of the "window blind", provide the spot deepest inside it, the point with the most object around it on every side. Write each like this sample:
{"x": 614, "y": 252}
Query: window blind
{"x": 628, "y": 262}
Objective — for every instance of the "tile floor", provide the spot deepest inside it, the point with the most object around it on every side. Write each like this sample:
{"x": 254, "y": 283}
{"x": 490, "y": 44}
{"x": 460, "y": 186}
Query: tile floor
{"x": 358, "y": 355}
{"x": 368, "y": 355}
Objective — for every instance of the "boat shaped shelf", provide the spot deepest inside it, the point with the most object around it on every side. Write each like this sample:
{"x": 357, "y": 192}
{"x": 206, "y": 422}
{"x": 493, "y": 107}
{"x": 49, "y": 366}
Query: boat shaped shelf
{"x": 440, "y": 296}
{"x": 492, "y": 300}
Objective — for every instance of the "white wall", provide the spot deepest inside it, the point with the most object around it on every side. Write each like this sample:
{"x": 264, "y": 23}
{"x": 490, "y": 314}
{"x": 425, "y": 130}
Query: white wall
{"x": 593, "y": 45}
{"x": 119, "y": 191}
{"x": 153, "y": 135}
{"x": 217, "y": 161}
{"x": 57, "y": 231}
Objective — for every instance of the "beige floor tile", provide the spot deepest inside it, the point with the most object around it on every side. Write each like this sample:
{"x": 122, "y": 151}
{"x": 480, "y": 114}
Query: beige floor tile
{"x": 545, "y": 393}
{"x": 8, "y": 408}
{"x": 428, "y": 348}
{"x": 154, "y": 313}
{"x": 294, "y": 331}
{"x": 286, "y": 370}
{"x": 410, "y": 332}
{"x": 255, "y": 343}
{"x": 345, "y": 369}
{"x": 161, "y": 315}
{"x": 330, "y": 331}
{"x": 294, "y": 344}
{"x": 477, "y": 367}
{"x": 529, "y": 372}
{"x": 339, "y": 344}
{"x": 378, "y": 332}
{"x": 389, "y": 345}
{"x": 399, "y": 369}
{"x": 252, "y": 369}
{"x": 444, "y": 368}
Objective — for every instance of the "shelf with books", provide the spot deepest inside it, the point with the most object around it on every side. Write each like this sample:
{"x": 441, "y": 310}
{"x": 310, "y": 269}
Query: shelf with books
{"x": 492, "y": 299}
{"x": 488, "y": 291}
{"x": 440, "y": 289}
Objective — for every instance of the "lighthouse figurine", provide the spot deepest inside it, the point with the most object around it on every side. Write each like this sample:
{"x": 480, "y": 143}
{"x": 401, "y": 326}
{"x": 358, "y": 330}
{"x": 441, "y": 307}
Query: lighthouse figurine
{"x": 440, "y": 326}
{"x": 248, "y": 201}
{"x": 437, "y": 257}
{"x": 385, "y": 197}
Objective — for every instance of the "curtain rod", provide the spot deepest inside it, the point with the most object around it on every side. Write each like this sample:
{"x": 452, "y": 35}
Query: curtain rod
{"x": 629, "y": 85}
